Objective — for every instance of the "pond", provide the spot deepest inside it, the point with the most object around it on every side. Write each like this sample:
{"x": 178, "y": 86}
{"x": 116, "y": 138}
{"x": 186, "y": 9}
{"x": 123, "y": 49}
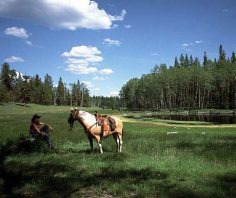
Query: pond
{"x": 215, "y": 118}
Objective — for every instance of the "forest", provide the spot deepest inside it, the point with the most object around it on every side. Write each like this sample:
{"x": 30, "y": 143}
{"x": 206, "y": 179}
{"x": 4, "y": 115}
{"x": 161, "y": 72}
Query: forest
{"x": 189, "y": 84}
{"x": 15, "y": 87}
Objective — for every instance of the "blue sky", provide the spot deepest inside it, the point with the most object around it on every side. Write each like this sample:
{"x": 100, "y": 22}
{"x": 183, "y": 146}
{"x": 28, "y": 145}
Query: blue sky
{"x": 105, "y": 43}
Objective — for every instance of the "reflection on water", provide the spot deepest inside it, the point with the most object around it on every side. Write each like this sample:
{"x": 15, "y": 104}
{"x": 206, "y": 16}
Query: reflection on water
{"x": 219, "y": 119}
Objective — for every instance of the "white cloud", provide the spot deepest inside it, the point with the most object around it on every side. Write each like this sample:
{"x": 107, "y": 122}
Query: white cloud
{"x": 114, "y": 93}
{"x": 106, "y": 71}
{"x": 62, "y": 14}
{"x": 83, "y": 60}
{"x": 14, "y": 59}
{"x": 127, "y": 26}
{"x": 198, "y": 41}
{"x": 118, "y": 18}
{"x": 114, "y": 26}
{"x": 88, "y": 84}
{"x": 29, "y": 43}
{"x": 89, "y": 53}
{"x": 15, "y": 31}
{"x": 187, "y": 46}
{"x": 110, "y": 42}
{"x": 78, "y": 69}
{"x": 99, "y": 78}
{"x": 96, "y": 89}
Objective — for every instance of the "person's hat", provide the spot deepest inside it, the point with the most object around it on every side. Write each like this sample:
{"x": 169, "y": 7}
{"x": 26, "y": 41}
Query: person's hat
{"x": 35, "y": 116}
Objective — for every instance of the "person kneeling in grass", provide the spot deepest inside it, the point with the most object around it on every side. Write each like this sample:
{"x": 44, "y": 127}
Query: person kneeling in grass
{"x": 39, "y": 129}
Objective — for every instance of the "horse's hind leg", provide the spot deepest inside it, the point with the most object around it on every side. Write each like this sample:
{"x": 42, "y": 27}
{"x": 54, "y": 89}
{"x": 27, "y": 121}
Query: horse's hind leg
{"x": 91, "y": 142}
{"x": 115, "y": 136}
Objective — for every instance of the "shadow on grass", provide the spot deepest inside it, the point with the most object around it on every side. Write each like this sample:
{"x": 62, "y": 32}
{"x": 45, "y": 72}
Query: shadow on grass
{"x": 227, "y": 143}
{"x": 227, "y": 184}
{"x": 62, "y": 180}
{"x": 23, "y": 105}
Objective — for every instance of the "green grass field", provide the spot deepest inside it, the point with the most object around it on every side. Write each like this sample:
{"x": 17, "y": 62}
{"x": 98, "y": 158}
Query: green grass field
{"x": 159, "y": 159}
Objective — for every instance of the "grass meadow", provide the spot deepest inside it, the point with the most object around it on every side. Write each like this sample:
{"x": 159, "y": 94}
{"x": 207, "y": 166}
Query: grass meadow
{"x": 159, "y": 159}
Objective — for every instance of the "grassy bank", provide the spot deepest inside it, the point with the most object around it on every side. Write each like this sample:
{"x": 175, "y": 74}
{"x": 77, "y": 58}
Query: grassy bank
{"x": 159, "y": 160}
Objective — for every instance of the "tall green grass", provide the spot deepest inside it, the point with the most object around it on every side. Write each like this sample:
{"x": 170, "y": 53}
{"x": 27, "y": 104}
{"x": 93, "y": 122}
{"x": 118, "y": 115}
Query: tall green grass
{"x": 194, "y": 162}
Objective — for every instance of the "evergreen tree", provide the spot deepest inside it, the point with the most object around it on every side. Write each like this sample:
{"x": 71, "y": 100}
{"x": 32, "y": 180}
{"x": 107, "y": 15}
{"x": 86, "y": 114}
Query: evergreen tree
{"x": 186, "y": 61}
{"x": 181, "y": 60}
{"x": 233, "y": 58}
{"x": 176, "y": 64}
{"x": 205, "y": 59}
{"x": 47, "y": 97}
{"x": 6, "y": 78}
{"x": 60, "y": 92}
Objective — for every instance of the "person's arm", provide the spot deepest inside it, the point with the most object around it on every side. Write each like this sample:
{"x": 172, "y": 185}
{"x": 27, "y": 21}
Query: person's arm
{"x": 37, "y": 130}
{"x": 41, "y": 123}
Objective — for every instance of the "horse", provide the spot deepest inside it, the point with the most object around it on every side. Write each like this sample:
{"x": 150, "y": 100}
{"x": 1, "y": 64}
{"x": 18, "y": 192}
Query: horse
{"x": 93, "y": 129}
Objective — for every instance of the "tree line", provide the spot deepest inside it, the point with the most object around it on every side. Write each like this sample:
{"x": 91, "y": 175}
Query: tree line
{"x": 16, "y": 87}
{"x": 188, "y": 84}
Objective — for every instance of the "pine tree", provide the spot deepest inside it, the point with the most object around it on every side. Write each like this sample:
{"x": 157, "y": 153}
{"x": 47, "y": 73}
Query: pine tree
{"x": 233, "y": 58}
{"x": 186, "y": 61}
{"x": 191, "y": 61}
{"x": 47, "y": 90}
{"x": 60, "y": 92}
{"x": 181, "y": 60}
{"x": 176, "y": 64}
{"x": 205, "y": 59}
{"x": 222, "y": 56}
{"x": 6, "y": 76}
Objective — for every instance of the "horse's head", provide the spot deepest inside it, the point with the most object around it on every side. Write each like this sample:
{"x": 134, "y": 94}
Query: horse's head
{"x": 73, "y": 117}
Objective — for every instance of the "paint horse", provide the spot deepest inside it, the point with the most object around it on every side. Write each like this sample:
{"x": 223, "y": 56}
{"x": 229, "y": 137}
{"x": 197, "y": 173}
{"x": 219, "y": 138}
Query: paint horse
{"x": 94, "y": 130}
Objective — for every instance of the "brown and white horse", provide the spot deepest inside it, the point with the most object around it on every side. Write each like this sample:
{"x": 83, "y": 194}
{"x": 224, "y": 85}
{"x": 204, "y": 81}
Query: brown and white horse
{"x": 94, "y": 130}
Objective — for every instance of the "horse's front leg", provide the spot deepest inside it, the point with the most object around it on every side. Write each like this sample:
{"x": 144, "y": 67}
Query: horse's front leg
{"x": 90, "y": 141}
{"x": 99, "y": 144}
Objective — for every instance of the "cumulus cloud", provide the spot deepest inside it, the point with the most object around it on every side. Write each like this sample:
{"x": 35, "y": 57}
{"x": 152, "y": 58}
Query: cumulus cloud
{"x": 110, "y": 42}
{"x": 99, "y": 78}
{"x": 84, "y": 59}
{"x": 88, "y": 84}
{"x": 118, "y": 18}
{"x": 106, "y": 71}
{"x": 114, "y": 93}
{"x": 91, "y": 86}
{"x": 114, "y": 26}
{"x": 29, "y": 43}
{"x": 185, "y": 44}
{"x": 14, "y": 59}
{"x": 127, "y": 26}
{"x": 62, "y": 14}
{"x": 17, "y": 32}
{"x": 198, "y": 41}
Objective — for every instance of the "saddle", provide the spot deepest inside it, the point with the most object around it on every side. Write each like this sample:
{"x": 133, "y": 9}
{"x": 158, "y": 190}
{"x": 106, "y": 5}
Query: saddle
{"x": 106, "y": 122}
